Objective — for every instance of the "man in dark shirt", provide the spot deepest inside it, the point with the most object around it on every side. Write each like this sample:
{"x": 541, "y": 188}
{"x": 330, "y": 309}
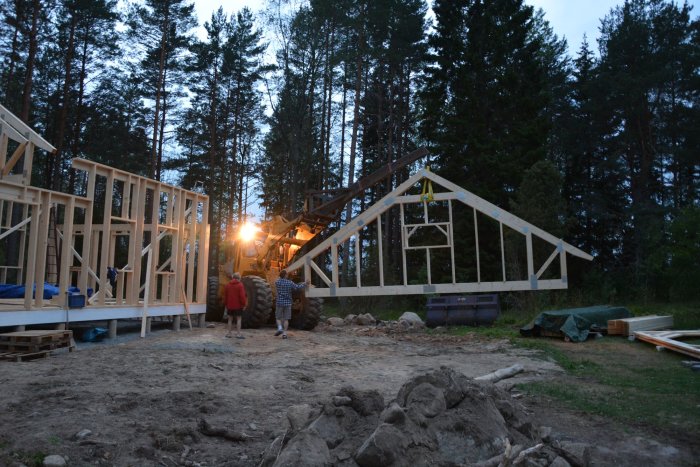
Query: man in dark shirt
{"x": 283, "y": 310}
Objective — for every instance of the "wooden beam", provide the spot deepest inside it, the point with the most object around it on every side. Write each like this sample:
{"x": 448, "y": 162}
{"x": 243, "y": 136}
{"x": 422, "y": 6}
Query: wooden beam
{"x": 43, "y": 243}
{"x": 421, "y": 289}
{"x": 66, "y": 256}
{"x": 25, "y": 130}
{"x": 12, "y": 161}
{"x": 106, "y": 240}
{"x": 31, "y": 257}
{"x": 87, "y": 234}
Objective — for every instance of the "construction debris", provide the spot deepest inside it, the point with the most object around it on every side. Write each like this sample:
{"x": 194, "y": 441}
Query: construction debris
{"x": 407, "y": 322}
{"x": 628, "y": 326}
{"x": 438, "y": 418}
{"x": 670, "y": 340}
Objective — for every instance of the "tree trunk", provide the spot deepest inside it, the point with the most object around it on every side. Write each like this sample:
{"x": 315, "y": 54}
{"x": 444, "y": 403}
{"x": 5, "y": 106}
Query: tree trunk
{"x": 78, "y": 117}
{"x": 31, "y": 59}
{"x": 159, "y": 162}
{"x": 54, "y": 173}
{"x": 353, "y": 138}
{"x": 19, "y": 17}
{"x": 159, "y": 87}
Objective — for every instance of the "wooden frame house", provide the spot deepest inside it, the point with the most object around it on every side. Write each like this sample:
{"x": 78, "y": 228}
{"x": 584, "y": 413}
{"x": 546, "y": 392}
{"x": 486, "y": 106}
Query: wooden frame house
{"x": 126, "y": 247}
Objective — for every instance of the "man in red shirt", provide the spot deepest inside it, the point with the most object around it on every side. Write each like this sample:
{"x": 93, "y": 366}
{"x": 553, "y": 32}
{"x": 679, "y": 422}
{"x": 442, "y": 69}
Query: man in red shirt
{"x": 235, "y": 301}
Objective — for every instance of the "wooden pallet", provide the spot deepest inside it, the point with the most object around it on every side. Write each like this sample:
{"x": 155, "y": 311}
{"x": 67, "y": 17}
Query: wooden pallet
{"x": 669, "y": 340}
{"x": 24, "y": 356}
{"x": 25, "y": 345}
{"x": 628, "y": 326}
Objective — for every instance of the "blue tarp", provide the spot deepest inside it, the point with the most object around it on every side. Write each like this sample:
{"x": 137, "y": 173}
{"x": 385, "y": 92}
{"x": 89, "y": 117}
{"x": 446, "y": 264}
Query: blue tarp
{"x": 17, "y": 291}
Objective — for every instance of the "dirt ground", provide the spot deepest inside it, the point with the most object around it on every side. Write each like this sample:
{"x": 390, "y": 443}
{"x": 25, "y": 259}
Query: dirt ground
{"x": 142, "y": 400}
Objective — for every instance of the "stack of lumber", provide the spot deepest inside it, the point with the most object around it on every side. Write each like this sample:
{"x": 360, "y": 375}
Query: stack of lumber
{"x": 669, "y": 340}
{"x": 28, "y": 345}
{"x": 628, "y": 326}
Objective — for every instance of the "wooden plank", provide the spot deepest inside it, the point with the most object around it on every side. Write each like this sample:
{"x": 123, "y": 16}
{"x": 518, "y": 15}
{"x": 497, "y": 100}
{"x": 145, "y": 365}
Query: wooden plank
{"x": 628, "y": 326}
{"x": 669, "y": 340}
{"x": 66, "y": 254}
{"x": 21, "y": 356}
{"x": 106, "y": 240}
{"x": 12, "y": 161}
{"x": 40, "y": 269}
{"x": 23, "y": 128}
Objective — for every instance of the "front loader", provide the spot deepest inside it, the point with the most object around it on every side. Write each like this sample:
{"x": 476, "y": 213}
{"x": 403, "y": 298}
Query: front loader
{"x": 260, "y": 252}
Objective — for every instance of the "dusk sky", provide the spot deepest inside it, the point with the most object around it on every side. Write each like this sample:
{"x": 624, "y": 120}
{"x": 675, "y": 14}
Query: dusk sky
{"x": 568, "y": 18}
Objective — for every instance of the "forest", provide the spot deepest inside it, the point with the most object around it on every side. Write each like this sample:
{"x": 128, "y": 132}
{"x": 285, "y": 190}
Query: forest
{"x": 599, "y": 145}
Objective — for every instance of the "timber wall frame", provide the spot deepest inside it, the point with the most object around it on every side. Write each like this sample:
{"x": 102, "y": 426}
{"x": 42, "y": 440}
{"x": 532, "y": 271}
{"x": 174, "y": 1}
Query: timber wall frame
{"x": 138, "y": 217}
{"x": 445, "y": 234}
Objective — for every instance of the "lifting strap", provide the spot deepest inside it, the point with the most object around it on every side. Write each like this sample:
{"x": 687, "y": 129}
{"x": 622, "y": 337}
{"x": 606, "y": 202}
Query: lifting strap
{"x": 427, "y": 193}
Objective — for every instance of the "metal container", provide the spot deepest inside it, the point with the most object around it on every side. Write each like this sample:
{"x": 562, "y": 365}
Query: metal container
{"x": 462, "y": 310}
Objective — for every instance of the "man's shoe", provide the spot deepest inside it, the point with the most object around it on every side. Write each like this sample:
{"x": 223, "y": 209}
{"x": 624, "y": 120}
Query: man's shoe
{"x": 284, "y": 336}
{"x": 279, "y": 331}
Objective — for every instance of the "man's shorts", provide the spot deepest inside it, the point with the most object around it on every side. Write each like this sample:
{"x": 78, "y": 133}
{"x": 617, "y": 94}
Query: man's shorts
{"x": 283, "y": 312}
{"x": 235, "y": 313}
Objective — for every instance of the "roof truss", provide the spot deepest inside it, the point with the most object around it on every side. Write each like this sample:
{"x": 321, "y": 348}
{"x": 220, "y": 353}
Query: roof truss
{"x": 321, "y": 264}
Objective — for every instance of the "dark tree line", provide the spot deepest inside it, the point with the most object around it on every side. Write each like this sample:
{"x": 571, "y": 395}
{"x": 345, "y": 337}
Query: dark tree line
{"x": 599, "y": 146}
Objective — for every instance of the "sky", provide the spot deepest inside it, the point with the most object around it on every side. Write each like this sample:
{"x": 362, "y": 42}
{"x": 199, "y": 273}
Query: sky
{"x": 568, "y": 18}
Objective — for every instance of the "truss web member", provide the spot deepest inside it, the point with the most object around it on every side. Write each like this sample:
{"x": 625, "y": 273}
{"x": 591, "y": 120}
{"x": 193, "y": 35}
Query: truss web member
{"x": 235, "y": 301}
{"x": 283, "y": 310}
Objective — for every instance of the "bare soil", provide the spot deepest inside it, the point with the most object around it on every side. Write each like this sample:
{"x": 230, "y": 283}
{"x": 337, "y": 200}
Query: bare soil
{"x": 144, "y": 400}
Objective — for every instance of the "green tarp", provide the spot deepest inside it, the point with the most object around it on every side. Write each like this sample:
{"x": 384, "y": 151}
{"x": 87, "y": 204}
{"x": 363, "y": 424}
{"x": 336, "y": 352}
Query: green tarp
{"x": 575, "y": 323}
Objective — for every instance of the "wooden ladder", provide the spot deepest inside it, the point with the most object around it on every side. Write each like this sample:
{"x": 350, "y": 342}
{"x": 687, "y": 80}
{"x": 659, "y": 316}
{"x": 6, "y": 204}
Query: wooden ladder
{"x": 52, "y": 255}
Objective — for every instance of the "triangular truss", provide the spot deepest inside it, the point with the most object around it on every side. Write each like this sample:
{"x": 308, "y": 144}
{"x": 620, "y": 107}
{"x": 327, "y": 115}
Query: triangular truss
{"x": 322, "y": 262}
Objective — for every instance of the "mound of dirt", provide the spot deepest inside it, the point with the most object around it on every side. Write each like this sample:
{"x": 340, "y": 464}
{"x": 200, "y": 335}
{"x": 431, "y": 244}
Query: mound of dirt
{"x": 438, "y": 418}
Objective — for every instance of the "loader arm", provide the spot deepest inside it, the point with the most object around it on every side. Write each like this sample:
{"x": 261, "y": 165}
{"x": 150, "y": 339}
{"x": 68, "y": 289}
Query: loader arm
{"x": 323, "y": 207}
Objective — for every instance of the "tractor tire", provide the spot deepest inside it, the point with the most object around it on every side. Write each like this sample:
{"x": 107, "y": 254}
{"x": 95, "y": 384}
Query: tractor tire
{"x": 215, "y": 302}
{"x": 259, "y": 309}
{"x": 308, "y": 317}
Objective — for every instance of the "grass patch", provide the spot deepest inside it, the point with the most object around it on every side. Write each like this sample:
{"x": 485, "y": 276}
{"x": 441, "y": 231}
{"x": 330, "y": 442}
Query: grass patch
{"x": 31, "y": 459}
{"x": 629, "y": 382}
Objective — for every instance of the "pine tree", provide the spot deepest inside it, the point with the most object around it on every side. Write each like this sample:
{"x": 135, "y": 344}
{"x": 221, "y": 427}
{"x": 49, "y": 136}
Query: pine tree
{"x": 162, "y": 28}
{"x": 648, "y": 74}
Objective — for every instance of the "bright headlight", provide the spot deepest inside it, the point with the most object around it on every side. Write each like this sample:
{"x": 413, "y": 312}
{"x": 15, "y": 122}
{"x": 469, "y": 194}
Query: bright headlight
{"x": 248, "y": 231}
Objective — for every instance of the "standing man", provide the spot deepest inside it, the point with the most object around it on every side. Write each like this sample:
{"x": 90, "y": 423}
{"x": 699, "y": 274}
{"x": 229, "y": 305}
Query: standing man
{"x": 235, "y": 301}
{"x": 283, "y": 311}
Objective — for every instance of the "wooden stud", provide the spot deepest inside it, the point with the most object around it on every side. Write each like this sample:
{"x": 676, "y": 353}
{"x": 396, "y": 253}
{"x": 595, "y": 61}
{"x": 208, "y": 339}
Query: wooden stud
{"x": 66, "y": 254}
{"x": 476, "y": 244}
{"x": 530, "y": 265}
{"x": 403, "y": 245}
{"x": 192, "y": 237}
{"x": 145, "y": 320}
{"x": 503, "y": 252}
{"x": 12, "y": 161}
{"x": 106, "y": 238}
{"x": 380, "y": 250}
{"x": 41, "y": 250}
{"x": 358, "y": 274}
{"x": 31, "y": 256}
{"x": 452, "y": 243}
